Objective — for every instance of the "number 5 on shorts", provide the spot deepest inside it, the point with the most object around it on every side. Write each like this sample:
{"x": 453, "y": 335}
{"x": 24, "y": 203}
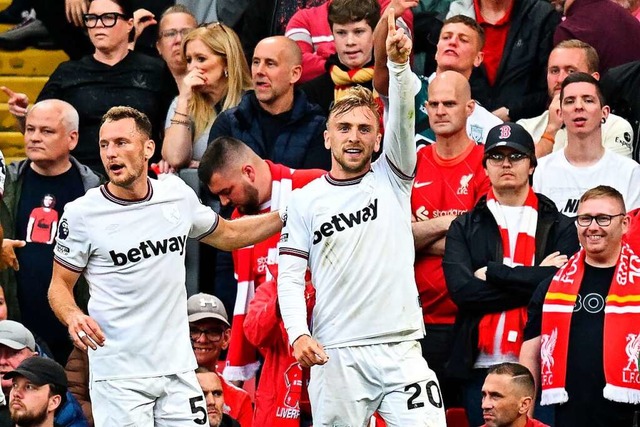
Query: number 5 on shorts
{"x": 195, "y": 409}
{"x": 433, "y": 394}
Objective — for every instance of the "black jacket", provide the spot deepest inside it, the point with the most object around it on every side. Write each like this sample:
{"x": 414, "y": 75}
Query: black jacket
{"x": 474, "y": 241}
{"x": 521, "y": 82}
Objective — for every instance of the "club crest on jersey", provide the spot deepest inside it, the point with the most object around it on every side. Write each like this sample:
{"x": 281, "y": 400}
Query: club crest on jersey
{"x": 171, "y": 213}
{"x": 148, "y": 249}
{"x": 341, "y": 222}
{"x": 464, "y": 184}
{"x": 476, "y": 133}
{"x": 63, "y": 230}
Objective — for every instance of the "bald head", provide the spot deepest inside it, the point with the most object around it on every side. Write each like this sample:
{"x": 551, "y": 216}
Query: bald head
{"x": 67, "y": 113}
{"x": 449, "y": 105}
{"x": 284, "y": 46}
{"x": 275, "y": 69}
{"x": 50, "y": 134}
{"x": 454, "y": 80}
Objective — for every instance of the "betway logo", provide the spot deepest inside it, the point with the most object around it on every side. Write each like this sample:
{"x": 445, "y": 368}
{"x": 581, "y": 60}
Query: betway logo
{"x": 341, "y": 222}
{"x": 147, "y": 249}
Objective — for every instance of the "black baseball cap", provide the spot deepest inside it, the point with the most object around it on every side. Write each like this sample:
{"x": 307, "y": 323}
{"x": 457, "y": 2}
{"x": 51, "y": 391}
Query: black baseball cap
{"x": 40, "y": 371}
{"x": 511, "y": 135}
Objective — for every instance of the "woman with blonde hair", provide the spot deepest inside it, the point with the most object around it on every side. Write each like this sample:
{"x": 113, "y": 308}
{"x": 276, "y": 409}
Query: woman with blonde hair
{"x": 217, "y": 77}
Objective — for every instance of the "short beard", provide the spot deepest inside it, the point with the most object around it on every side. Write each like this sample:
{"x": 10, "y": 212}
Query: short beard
{"x": 30, "y": 417}
{"x": 252, "y": 206}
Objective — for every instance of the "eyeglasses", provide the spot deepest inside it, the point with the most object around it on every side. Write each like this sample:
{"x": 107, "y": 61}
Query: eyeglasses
{"x": 602, "y": 220}
{"x": 497, "y": 159}
{"x": 214, "y": 335}
{"x": 108, "y": 19}
{"x": 173, "y": 33}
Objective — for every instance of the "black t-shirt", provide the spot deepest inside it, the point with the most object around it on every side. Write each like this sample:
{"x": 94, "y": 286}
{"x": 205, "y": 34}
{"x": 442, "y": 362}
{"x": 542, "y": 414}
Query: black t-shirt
{"x": 36, "y": 222}
{"x": 138, "y": 81}
{"x": 585, "y": 374}
{"x": 272, "y": 125}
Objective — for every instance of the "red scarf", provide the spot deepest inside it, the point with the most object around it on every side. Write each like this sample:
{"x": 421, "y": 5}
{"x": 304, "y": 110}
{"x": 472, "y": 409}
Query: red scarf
{"x": 524, "y": 254}
{"x": 621, "y": 336}
{"x": 250, "y": 265}
{"x": 344, "y": 78}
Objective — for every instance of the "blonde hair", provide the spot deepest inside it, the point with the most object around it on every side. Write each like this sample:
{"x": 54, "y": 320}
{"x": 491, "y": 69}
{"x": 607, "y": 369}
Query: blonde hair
{"x": 356, "y": 96}
{"x": 224, "y": 42}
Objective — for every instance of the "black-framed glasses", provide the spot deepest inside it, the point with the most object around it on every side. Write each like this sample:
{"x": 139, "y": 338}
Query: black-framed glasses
{"x": 497, "y": 159}
{"x": 602, "y": 220}
{"x": 173, "y": 33}
{"x": 108, "y": 19}
{"x": 214, "y": 335}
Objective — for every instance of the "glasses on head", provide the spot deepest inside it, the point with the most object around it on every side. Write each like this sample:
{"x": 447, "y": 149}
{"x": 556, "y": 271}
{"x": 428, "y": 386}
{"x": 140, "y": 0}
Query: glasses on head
{"x": 173, "y": 33}
{"x": 108, "y": 19}
{"x": 602, "y": 220}
{"x": 497, "y": 159}
{"x": 214, "y": 335}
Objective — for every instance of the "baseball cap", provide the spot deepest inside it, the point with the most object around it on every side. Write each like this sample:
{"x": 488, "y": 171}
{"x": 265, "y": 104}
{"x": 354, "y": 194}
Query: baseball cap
{"x": 510, "y": 135}
{"x": 14, "y": 335}
{"x": 205, "y": 306}
{"x": 40, "y": 371}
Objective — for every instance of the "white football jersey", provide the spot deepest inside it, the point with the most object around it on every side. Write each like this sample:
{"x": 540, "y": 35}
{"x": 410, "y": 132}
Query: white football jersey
{"x": 355, "y": 235}
{"x": 132, "y": 255}
{"x": 565, "y": 183}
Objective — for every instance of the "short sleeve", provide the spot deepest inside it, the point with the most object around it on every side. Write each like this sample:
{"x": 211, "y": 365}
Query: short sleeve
{"x": 73, "y": 245}
{"x": 203, "y": 219}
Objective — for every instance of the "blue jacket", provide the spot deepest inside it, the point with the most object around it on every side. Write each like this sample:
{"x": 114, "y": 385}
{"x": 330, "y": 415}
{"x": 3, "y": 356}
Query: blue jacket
{"x": 300, "y": 145}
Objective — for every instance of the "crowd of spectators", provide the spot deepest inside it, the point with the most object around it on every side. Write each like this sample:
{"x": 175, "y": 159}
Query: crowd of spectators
{"x": 524, "y": 210}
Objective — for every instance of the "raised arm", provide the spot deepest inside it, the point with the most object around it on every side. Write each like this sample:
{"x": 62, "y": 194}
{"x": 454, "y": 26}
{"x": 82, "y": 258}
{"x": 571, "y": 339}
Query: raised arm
{"x": 399, "y": 146}
{"x": 380, "y": 70}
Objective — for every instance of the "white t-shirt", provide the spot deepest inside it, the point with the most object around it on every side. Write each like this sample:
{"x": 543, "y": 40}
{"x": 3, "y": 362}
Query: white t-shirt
{"x": 132, "y": 255}
{"x": 617, "y": 133}
{"x": 355, "y": 236}
{"x": 565, "y": 183}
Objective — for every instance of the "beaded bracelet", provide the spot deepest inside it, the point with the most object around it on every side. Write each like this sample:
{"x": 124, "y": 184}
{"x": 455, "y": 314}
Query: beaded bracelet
{"x": 180, "y": 114}
{"x": 185, "y": 123}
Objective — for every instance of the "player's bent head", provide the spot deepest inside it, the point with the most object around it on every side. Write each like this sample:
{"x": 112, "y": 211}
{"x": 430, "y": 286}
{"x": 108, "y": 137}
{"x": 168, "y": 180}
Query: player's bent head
{"x": 222, "y": 153}
{"x": 143, "y": 124}
{"x": 355, "y": 97}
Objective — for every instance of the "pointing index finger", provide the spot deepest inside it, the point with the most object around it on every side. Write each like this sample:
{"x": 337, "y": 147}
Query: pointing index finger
{"x": 7, "y": 91}
{"x": 391, "y": 20}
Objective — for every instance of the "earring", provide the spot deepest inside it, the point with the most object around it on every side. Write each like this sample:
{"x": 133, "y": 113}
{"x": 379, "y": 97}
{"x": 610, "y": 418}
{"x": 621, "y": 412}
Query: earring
{"x": 604, "y": 120}
{"x": 226, "y": 72}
